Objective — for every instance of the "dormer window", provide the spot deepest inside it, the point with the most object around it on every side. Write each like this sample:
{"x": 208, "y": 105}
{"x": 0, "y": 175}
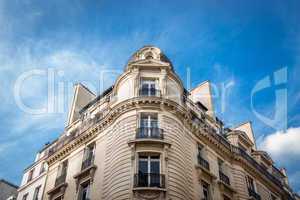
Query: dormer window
{"x": 30, "y": 175}
{"x": 43, "y": 168}
{"x": 149, "y": 55}
{"x": 148, "y": 87}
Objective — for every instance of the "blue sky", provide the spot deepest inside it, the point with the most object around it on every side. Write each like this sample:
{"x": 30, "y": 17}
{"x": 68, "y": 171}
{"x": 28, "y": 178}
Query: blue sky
{"x": 234, "y": 43}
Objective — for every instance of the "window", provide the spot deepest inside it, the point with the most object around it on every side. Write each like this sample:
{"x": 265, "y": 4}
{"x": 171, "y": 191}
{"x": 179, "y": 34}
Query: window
{"x": 84, "y": 191}
{"x": 149, "y": 126}
{"x": 222, "y": 172}
{"x": 250, "y": 183}
{"x": 220, "y": 164}
{"x": 43, "y": 167}
{"x": 201, "y": 158}
{"x": 200, "y": 148}
{"x": 62, "y": 173}
{"x": 88, "y": 157}
{"x": 149, "y": 55}
{"x": 36, "y": 193}
{"x": 30, "y": 175}
{"x": 63, "y": 167}
{"x": 149, "y": 170}
{"x": 205, "y": 190}
{"x": 148, "y": 120}
{"x": 148, "y": 87}
{"x": 25, "y": 196}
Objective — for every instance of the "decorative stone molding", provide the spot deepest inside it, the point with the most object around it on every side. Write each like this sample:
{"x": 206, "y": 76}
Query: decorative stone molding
{"x": 57, "y": 190}
{"x": 148, "y": 141}
{"x": 155, "y": 103}
{"x": 85, "y": 175}
{"x": 226, "y": 189}
{"x": 149, "y": 193}
{"x": 204, "y": 173}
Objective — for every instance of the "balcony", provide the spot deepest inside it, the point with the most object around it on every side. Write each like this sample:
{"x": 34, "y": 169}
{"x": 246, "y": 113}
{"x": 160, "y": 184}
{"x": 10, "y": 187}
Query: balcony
{"x": 59, "y": 186}
{"x": 224, "y": 184}
{"x": 202, "y": 162}
{"x": 61, "y": 179}
{"x": 253, "y": 194}
{"x": 240, "y": 152}
{"x": 149, "y": 133}
{"x": 88, "y": 169}
{"x": 203, "y": 169}
{"x": 149, "y": 92}
{"x": 223, "y": 178}
{"x": 149, "y": 180}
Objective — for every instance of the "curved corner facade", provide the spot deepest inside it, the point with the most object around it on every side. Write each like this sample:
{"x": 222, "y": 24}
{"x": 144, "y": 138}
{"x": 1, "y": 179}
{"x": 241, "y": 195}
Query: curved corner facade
{"x": 147, "y": 137}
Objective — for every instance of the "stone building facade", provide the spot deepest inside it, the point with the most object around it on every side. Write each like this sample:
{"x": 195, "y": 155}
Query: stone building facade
{"x": 147, "y": 137}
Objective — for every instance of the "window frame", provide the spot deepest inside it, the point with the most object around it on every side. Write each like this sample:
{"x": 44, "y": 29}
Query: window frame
{"x": 206, "y": 187}
{"x": 150, "y": 160}
{"x": 30, "y": 175}
{"x": 85, "y": 186}
{"x": 25, "y": 196}
{"x": 250, "y": 182}
{"x": 36, "y": 192}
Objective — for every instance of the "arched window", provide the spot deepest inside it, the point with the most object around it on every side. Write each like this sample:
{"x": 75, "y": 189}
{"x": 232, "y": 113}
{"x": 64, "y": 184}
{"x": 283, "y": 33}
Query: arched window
{"x": 149, "y": 55}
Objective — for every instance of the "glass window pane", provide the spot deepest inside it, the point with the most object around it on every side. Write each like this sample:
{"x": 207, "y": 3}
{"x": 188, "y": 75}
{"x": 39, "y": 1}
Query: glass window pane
{"x": 144, "y": 122}
{"x": 154, "y": 167}
{"x": 143, "y": 166}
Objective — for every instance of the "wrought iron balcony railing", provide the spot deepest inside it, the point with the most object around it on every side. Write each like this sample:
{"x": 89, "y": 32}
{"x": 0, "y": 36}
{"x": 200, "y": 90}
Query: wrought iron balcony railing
{"x": 87, "y": 163}
{"x": 149, "y": 132}
{"x": 60, "y": 179}
{"x": 240, "y": 152}
{"x": 149, "y": 92}
{"x": 204, "y": 163}
{"x": 253, "y": 194}
{"x": 149, "y": 180}
{"x": 224, "y": 178}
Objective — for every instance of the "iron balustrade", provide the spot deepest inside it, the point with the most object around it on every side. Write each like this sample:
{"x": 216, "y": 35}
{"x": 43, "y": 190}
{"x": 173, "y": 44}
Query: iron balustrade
{"x": 240, "y": 152}
{"x": 149, "y": 180}
{"x": 87, "y": 163}
{"x": 204, "y": 163}
{"x": 222, "y": 140}
{"x": 149, "y": 92}
{"x": 224, "y": 178}
{"x": 253, "y": 194}
{"x": 236, "y": 150}
{"x": 60, "y": 179}
{"x": 149, "y": 132}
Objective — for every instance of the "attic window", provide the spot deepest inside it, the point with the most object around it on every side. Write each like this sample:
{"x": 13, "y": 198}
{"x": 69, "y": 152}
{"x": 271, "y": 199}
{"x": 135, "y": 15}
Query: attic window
{"x": 149, "y": 55}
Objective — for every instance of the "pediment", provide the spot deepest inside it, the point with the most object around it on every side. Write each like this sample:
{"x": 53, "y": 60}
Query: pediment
{"x": 150, "y": 62}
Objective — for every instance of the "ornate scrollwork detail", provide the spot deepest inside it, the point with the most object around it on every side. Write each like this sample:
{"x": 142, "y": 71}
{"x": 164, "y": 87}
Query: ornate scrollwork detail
{"x": 148, "y": 195}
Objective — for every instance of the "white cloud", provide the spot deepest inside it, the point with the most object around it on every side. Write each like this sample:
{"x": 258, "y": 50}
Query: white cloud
{"x": 282, "y": 145}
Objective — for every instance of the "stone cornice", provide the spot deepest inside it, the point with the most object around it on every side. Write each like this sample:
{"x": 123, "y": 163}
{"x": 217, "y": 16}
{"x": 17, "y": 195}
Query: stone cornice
{"x": 112, "y": 115}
